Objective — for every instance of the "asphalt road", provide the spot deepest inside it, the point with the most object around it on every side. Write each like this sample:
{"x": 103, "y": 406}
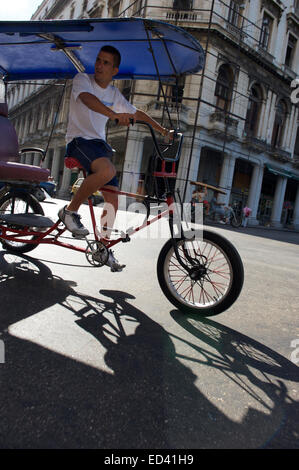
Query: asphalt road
{"x": 95, "y": 359}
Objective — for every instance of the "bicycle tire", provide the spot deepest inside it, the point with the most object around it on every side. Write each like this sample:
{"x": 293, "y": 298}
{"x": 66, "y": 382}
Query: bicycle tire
{"x": 10, "y": 204}
{"x": 236, "y": 222}
{"x": 217, "y": 289}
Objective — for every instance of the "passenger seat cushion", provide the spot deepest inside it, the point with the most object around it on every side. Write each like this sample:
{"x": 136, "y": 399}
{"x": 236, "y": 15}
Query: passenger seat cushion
{"x": 21, "y": 171}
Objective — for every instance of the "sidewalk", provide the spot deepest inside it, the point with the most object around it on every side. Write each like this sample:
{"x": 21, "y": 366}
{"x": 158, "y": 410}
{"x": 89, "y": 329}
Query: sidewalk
{"x": 122, "y": 206}
{"x": 253, "y": 227}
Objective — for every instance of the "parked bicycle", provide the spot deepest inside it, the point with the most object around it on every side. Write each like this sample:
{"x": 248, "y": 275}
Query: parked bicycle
{"x": 234, "y": 218}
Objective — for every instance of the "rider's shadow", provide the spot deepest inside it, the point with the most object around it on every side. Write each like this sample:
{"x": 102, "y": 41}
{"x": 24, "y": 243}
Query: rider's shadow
{"x": 148, "y": 400}
{"x": 146, "y": 361}
{"x": 256, "y": 369}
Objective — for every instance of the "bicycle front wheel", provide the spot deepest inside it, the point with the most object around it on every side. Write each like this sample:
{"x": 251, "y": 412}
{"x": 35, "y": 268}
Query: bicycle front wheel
{"x": 216, "y": 278}
{"x": 19, "y": 203}
{"x": 236, "y": 221}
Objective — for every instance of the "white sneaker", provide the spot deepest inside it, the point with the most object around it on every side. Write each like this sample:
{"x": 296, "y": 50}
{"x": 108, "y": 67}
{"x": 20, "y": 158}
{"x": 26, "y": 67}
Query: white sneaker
{"x": 113, "y": 263}
{"x": 72, "y": 222}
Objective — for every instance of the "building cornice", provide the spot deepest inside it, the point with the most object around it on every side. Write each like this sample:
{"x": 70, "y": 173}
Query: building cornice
{"x": 275, "y": 7}
{"x": 56, "y": 8}
{"x": 260, "y": 57}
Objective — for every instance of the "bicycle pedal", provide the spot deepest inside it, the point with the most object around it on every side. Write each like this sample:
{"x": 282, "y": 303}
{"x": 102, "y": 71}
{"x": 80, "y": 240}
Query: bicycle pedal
{"x": 125, "y": 238}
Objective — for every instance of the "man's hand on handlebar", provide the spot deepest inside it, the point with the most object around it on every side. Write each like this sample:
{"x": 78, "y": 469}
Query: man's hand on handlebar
{"x": 168, "y": 135}
{"x": 124, "y": 119}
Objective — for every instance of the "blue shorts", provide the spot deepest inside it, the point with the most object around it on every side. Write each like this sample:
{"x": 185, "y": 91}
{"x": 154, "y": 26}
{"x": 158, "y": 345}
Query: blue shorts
{"x": 88, "y": 150}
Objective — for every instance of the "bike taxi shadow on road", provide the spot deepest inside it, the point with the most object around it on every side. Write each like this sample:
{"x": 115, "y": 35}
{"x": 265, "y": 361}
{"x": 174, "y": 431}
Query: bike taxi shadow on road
{"x": 151, "y": 399}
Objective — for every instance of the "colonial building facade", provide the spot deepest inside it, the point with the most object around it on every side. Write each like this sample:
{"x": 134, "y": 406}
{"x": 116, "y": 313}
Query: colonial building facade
{"x": 239, "y": 115}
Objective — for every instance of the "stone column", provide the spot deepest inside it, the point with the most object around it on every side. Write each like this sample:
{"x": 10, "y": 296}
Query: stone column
{"x": 296, "y": 211}
{"x": 255, "y": 192}
{"x": 29, "y": 158}
{"x": 182, "y": 175}
{"x": 226, "y": 177}
{"x": 56, "y": 163}
{"x": 46, "y": 160}
{"x": 278, "y": 201}
{"x": 65, "y": 184}
{"x": 133, "y": 159}
{"x": 36, "y": 159}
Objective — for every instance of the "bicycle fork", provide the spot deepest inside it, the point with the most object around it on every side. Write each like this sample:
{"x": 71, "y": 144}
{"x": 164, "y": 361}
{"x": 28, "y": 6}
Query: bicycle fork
{"x": 197, "y": 269}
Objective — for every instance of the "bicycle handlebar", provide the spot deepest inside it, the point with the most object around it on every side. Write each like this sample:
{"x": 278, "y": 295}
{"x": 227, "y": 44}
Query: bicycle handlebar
{"x": 176, "y": 134}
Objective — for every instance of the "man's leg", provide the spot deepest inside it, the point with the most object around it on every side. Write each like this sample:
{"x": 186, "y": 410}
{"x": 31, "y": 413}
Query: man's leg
{"x": 103, "y": 171}
{"x": 109, "y": 210}
{"x": 107, "y": 221}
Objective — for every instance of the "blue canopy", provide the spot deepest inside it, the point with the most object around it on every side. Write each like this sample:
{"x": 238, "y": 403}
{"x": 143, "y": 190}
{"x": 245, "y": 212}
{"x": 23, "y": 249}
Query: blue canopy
{"x": 60, "y": 48}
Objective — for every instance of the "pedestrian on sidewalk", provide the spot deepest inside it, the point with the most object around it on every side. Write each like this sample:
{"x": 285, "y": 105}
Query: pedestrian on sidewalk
{"x": 246, "y": 213}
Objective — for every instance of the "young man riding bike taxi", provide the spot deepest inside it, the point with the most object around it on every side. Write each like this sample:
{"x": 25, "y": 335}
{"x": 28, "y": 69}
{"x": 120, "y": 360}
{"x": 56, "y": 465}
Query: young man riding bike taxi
{"x": 93, "y": 101}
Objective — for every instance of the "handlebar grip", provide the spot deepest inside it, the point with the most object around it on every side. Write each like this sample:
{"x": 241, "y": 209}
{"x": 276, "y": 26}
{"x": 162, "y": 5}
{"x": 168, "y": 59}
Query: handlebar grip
{"x": 131, "y": 121}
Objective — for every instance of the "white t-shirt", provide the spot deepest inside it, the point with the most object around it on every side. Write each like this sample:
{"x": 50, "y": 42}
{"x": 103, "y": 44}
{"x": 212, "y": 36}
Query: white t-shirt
{"x": 83, "y": 122}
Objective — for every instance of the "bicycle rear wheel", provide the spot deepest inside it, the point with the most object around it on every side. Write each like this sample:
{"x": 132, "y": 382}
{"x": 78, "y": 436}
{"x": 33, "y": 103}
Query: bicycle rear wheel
{"x": 19, "y": 203}
{"x": 216, "y": 280}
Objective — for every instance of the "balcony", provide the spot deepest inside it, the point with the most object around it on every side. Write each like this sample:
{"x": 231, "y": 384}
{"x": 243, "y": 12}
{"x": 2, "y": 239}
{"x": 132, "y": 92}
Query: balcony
{"x": 156, "y": 109}
{"x": 295, "y": 161}
{"x": 236, "y": 33}
{"x": 264, "y": 54}
{"x": 221, "y": 124}
{"x": 280, "y": 155}
{"x": 254, "y": 144}
{"x": 289, "y": 72}
{"x": 181, "y": 15}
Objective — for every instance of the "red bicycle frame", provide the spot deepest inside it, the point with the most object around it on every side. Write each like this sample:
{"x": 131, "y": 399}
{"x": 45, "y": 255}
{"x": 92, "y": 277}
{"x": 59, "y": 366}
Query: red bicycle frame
{"x": 48, "y": 236}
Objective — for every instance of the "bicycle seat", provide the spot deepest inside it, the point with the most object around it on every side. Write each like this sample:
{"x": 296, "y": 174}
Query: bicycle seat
{"x": 10, "y": 166}
{"x": 71, "y": 163}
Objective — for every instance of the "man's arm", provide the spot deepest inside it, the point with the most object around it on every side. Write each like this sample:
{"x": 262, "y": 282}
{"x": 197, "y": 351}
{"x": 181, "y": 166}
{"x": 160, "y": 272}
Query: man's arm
{"x": 93, "y": 103}
{"x": 142, "y": 116}
{"x": 124, "y": 119}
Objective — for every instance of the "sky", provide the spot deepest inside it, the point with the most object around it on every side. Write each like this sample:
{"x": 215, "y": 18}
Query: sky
{"x": 18, "y": 10}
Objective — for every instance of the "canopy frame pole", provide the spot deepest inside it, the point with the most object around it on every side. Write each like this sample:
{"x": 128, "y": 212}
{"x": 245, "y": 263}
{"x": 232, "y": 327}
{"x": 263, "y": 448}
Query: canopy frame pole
{"x": 147, "y": 28}
{"x": 67, "y": 50}
{"x": 54, "y": 122}
{"x": 198, "y": 101}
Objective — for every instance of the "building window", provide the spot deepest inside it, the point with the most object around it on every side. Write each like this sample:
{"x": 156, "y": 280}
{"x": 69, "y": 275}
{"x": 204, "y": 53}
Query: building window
{"x": 173, "y": 93}
{"x": 279, "y": 123}
{"x": 233, "y": 13}
{"x": 290, "y": 52}
{"x": 266, "y": 30}
{"x": 253, "y": 110}
{"x": 72, "y": 12}
{"x": 224, "y": 87}
{"x": 182, "y": 5}
{"x": 137, "y": 8}
{"x": 115, "y": 10}
{"x": 126, "y": 90}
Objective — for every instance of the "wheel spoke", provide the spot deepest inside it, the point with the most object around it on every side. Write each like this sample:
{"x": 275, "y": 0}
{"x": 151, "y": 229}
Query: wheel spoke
{"x": 20, "y": 204}
{"x": 210, "y": 287}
